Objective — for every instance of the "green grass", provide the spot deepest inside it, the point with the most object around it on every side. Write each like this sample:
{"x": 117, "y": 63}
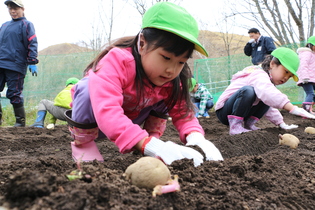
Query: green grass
{"x": 8, "y": 118}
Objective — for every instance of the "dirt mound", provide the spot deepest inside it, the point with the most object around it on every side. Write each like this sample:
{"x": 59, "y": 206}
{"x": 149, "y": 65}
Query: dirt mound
{"x": 257, "y": 172}
{"x": 64, "y": 48}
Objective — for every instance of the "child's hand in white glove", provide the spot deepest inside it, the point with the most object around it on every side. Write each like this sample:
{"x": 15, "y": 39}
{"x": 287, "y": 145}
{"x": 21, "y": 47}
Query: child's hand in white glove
{"x": 169, "y": 151}
{"x": 212, "y": 153}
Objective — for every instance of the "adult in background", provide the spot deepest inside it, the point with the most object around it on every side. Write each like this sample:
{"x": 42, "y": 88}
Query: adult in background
{"x": 18, "y": 51}
{"x": 258, "y": 46}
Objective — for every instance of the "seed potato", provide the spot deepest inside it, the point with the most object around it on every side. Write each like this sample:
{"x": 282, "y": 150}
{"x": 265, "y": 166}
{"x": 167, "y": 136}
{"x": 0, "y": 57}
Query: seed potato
{"x": 289, "y": 140}
{"x": 147, "y": 172}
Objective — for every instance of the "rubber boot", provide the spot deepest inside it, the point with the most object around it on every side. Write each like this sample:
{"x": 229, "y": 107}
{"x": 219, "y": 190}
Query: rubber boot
{"x": 84, "y": 147}
{"x": 236, "y": 125}
{"x": 19, "y": 113}
{"x": 250, "y": 123}
{"x": 40, "y": 119}
{"x": 308, "y": 107}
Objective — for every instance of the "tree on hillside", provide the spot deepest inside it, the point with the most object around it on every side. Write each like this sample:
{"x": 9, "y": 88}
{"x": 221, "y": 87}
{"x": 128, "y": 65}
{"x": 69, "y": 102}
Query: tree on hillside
{"x": 287, "y": 21}
{"x": 102, "y": 27}
{"x": 143, "y": 5}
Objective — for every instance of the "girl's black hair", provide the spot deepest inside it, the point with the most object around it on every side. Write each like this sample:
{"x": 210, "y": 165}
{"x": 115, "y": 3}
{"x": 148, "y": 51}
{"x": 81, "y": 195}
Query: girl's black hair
{"x": 309, "y": 45}
{"x": 266, "y": 63}
{"x": 168, "y": 41}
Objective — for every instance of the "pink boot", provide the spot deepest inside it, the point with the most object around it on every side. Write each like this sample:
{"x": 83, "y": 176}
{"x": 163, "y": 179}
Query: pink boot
{"x": 236, "y": 125}
{"x": 308, "y": 106}
{"x": 86, "y": 152}
{"x": 84, "y": 146}
{"x": 250, "y": 123}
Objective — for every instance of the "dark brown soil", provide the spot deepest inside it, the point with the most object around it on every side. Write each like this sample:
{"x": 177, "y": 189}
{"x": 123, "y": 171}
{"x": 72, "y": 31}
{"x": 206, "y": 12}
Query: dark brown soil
{"x": 257, "y": 172}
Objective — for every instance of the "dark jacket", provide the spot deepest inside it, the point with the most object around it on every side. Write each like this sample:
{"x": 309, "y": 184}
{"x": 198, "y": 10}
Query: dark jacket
{"x": 18, "y": 45}
{"x": 259, "y": 50}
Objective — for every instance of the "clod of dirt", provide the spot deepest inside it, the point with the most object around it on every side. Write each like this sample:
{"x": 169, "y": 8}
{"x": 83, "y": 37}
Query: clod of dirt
{"x": 289, "y": 140}
{"x": 310, "y": 130}
{"x": 147, "y": 172}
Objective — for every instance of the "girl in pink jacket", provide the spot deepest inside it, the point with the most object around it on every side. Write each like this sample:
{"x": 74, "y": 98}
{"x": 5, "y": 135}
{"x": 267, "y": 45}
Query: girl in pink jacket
{"x": 252, "y": 94}
{"x": 306, "y": 72}
{"x": 130, "y": 87}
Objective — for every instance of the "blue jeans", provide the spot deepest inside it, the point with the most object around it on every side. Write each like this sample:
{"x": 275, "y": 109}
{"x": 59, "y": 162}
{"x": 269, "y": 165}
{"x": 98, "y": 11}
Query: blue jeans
{"x": 209, "y": 105}
{"x": 309, "y": 90}
{"x": 241, "y": 104}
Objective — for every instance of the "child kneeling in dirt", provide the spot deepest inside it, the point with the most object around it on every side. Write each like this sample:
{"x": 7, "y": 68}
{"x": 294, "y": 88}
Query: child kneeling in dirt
{"x": 253, "y": 94}
{"x": 56, "y": 108}
{"x": 137, "y": 81}
{"x": 201, "y": 97}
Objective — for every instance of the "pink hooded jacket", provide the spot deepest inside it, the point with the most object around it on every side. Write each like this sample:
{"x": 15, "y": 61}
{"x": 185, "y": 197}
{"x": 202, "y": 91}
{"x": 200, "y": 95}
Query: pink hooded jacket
{"x": 306, "y": 69}
{"x": 265, "y": 91}
{"x": 114, "y": 101}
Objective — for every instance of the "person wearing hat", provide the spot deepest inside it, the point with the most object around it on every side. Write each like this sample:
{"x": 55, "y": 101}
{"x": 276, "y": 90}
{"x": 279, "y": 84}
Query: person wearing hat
{"x": 57, "y": 107}
{"x": 253, "y": 94}
{"x": 201, "y": 97}
{"x": 306, "y": 73}
{"x": 131, "y": 86}
{"x": 258, "y": 46}
{"x": 18, "y": 52}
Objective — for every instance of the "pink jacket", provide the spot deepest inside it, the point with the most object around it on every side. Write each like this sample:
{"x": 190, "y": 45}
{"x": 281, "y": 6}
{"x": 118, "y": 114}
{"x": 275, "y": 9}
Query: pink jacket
{"x": 306, "y": 69}
{"x": 113, "y": 96}
{"x": 265, "y": 91}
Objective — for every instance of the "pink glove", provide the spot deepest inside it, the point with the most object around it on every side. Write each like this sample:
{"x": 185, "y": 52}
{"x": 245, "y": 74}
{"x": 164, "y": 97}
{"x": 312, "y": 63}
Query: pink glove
{"x": 212, "y": 153}
{"x": 169, "y": 151}
{"x": 301, "y": 112}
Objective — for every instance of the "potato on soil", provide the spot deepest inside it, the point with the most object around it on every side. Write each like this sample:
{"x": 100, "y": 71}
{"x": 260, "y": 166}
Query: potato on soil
{"x": 289, "y": 140}
{"x": 147, "y": 172}
{"x": 310, "y": 130}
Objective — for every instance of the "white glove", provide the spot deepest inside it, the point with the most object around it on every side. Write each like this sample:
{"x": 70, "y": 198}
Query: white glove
{"x": 287, "y": 127}
{"x": 305, "y": 81}
{"x": 169, "y": 151}
{"x": 50, "y": 126}
{"x": 212, "y": 153}
{"x": 301, "y": 112}
{"x": 251, "y": 40}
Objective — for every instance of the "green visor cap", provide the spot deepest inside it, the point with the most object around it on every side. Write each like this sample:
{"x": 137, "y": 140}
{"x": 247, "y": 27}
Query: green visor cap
{"x": 175, "y": 19}
{"x": 193, "y": 84}
{"x": 311, "y": 40}
{"x": 72, "y": 80}
{"x": 289, "y": 59}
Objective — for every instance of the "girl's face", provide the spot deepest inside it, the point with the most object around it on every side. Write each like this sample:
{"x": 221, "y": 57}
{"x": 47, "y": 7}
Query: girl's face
{"x": 159, "y": 65}
{"x": 16, "y": 12}
{"x": 279, "y": 74}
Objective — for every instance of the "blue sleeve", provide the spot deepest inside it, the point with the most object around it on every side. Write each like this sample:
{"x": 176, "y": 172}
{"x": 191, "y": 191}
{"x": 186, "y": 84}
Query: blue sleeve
{"x": 269, "y": 44}
{"x": 32, "y": 44}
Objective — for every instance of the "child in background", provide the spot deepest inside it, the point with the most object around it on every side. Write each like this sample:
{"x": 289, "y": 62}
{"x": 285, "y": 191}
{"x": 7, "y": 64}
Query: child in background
{"x": 306, "y": 72}
{"x": 252, "y": 94}
{"x": 57, "y": 107}
{"x": 201, "y": 97}
{"x": 138, "y": 80}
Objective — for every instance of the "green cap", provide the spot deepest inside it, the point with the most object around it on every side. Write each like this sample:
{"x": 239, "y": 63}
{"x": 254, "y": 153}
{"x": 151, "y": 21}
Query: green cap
{"x": 289, "y": 59}
{"x": 193, "y": 84}
{"x": 175, "y": 19}
{"x": 72, "y": 80}
{"x": 311, "y": 40}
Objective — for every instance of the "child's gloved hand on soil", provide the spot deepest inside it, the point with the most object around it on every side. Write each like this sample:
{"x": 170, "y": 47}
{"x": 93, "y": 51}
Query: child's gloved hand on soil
{"x": 287, "y": 127}
{"x": 212, "y": 153}
{"x": 169, "y": 151}
{"x": 301, "y": 112}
